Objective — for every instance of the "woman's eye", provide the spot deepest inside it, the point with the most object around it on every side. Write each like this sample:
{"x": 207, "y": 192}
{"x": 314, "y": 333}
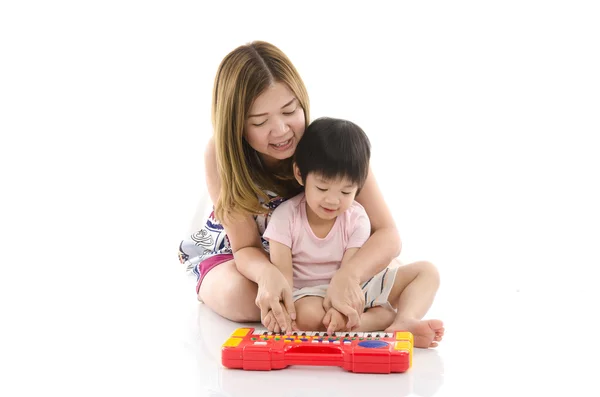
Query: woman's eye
{"x": 258, "y": 125}
{"x": 288, "y": 113}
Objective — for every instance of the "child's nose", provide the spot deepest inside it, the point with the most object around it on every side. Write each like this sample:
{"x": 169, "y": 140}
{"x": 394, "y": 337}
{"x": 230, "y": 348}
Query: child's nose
{"x": 330, "y": 199}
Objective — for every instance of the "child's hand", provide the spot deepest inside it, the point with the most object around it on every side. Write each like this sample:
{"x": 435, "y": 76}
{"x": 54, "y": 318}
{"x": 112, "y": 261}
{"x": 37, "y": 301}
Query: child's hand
{"x": 334, "y": 321}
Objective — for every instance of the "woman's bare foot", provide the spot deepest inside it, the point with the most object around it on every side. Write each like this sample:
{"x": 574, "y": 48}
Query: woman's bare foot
{"x": 427, "y": 333}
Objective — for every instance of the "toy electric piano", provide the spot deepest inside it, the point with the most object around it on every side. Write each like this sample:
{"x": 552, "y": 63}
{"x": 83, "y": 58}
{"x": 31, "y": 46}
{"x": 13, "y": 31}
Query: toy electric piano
{"x": 365, "y": 352}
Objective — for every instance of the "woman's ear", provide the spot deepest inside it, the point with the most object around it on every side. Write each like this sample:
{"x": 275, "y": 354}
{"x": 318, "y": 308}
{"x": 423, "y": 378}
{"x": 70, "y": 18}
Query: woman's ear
{"x": 298, "y": 175}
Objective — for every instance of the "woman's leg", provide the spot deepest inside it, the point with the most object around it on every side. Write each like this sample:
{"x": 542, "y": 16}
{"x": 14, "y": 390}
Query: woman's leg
{"x": 226, "y": 291}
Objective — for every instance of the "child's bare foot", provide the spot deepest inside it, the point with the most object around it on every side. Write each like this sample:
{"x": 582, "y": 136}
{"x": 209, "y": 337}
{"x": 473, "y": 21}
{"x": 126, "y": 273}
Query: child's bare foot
{"x": 427, "y": 333}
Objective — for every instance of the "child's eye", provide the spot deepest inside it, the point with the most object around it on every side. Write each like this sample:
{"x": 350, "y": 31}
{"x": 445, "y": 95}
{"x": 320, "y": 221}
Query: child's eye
{"x": 323, "y": 190}
{"x": 346, "y": 193}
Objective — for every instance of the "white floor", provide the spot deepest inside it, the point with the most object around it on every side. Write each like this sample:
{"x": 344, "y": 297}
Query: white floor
{"x": 145, "y": 334}
{"x": 498, "y": 342}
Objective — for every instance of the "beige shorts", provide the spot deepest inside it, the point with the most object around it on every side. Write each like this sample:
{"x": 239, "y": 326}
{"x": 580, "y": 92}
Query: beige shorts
{"x": 376, "y": 290}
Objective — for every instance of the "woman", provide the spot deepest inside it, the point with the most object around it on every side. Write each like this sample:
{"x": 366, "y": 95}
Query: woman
{"x": 260, "y": 109}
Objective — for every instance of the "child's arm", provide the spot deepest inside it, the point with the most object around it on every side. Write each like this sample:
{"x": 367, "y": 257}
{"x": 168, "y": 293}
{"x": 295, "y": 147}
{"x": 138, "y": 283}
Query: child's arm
{"x": 352, "y": 304}
{"x": 279, "y": 234}
{"x": 281, "y": 257}
{"x": 349, "y": 254}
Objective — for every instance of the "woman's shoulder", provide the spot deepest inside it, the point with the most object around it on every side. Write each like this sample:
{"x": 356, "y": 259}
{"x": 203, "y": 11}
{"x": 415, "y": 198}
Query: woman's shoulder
{"x": 210, "y": 152}
{"x": 211, "y": 172}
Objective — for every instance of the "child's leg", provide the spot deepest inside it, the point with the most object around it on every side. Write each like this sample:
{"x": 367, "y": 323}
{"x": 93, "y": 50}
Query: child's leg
{"x": 376, "y": 319}
{"x": 310, "y": 313}
{"x": 412, "y": 294}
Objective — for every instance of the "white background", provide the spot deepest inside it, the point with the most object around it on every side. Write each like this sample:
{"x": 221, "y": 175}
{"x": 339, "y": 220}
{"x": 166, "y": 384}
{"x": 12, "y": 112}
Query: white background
{"x": 484, "y": 120}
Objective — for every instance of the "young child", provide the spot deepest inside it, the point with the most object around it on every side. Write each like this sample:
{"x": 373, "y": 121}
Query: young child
{"x": 316, "y": 232}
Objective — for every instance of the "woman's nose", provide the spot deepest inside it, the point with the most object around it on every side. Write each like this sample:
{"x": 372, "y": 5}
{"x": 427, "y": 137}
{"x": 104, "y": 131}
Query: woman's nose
{"x": 280, "y": 127}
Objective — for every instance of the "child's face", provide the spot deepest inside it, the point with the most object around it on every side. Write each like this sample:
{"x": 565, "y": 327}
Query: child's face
{"x": 328, "y": 198}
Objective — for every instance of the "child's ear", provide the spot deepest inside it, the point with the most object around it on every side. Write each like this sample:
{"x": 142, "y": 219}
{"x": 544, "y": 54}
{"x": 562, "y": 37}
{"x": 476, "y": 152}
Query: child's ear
{"x": 298, "y": 175}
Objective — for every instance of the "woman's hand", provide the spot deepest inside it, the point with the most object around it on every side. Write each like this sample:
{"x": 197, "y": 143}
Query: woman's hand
{"x": 273, "y": 290}
{"x": 345, "y": 295}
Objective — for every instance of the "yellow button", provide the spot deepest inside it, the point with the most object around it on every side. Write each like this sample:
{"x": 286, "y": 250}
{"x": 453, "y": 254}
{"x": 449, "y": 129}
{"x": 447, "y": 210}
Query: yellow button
{"x": 404, "y": 336}
{"x": 297, "y": 341}
{"x": 232, "y": 342}
{"x": 287, "y": 341}
{"x": 402, "y": 345}
{"x": 241, "y": 332}
{"x": 407, "y": 346}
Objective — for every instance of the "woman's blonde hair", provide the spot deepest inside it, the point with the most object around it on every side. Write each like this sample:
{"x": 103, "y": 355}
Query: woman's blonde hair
{"x": 243, "y": 75}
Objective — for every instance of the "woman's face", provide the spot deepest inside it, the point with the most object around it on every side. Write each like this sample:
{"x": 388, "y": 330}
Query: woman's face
{"x": 275, "y": 124}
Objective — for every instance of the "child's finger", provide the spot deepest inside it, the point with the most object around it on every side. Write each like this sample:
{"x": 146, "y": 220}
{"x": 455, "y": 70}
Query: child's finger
{"x": 332, "y": 326}
{"x": 327, "y": 319}
{"x": 295, "y": 326}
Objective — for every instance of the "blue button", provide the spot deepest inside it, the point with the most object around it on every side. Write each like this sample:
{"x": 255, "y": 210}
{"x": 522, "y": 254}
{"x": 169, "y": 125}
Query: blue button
{"x": 373, "y": 344}
{"x": 303, "y": 339}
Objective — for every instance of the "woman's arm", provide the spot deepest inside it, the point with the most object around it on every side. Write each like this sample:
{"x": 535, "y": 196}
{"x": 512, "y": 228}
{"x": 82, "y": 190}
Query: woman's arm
{"x": 384, "y": 244}
{"x": 250, "y": 258}
{"x": 344, "y": 292}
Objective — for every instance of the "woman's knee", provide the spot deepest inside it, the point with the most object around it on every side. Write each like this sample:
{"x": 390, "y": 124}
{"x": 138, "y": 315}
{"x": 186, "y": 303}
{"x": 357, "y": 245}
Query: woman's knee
{"x": 230, "y": 294}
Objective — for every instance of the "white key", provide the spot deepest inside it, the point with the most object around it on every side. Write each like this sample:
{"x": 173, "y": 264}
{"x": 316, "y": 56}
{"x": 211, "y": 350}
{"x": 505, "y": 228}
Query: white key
{"x": 315, "y": 341}
{"x": 336, "y": 342}
{"x": 325, "y": 341}
{"x": 260, "y": 343}
{"x": 347, "y": 342}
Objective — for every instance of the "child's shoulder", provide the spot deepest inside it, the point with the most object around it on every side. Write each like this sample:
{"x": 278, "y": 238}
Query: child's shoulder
{"x": 355, "y": 212}
{"x": 291, "y": 205}
{"x": 356, "y": 209}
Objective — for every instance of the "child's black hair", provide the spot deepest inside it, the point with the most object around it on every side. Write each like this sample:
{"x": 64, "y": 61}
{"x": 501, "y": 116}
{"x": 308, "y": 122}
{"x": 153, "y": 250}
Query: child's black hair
{"x": 334, "y": 148}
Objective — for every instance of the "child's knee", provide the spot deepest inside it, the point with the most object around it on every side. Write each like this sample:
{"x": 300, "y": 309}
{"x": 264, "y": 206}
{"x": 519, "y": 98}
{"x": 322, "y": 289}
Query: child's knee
{"x": 429, "y": 270}
{"x": 310, "y": 323}
{"x": 310, "y": 320}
